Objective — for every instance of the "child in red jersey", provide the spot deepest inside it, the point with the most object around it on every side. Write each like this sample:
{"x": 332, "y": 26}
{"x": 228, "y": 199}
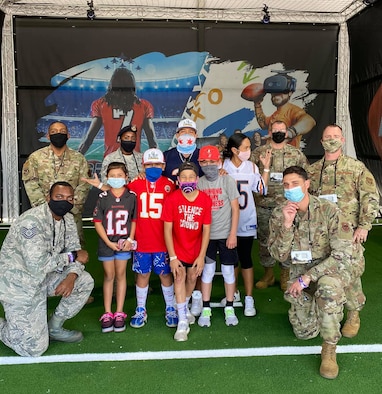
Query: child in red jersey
{"x": 187, "y": 220}
{"x": 151, "y": 253}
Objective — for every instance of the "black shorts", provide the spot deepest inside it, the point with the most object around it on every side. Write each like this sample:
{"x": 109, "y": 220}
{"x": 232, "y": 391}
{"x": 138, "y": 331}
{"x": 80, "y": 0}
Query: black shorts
{"x": 226, "y": 256}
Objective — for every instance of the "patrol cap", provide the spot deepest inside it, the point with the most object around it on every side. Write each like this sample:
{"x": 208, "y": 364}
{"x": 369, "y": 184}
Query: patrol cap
{"x": 153, "y": 156}
{"x": 209, "y": 152}
{"x": 186, "y": 123}
{"x": 125, "y": 129}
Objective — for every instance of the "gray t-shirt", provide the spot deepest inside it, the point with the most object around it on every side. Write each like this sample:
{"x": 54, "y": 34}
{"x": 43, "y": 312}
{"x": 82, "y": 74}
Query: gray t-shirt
{"x": 222, "y": 192}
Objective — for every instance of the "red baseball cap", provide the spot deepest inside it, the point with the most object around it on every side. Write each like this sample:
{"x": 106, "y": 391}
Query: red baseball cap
{"x": 209, "y": 152}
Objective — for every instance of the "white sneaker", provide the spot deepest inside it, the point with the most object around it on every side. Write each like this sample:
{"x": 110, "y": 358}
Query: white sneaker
{"x": 182, "y": 331}
{"x": 190, "y": 317}
{"x": 205, "y": 318}
{"x": 230, "y": 317}
{"x": 236, "y": 298}
{"x": 196, "y": 303}
{"x": 249, "y": 306}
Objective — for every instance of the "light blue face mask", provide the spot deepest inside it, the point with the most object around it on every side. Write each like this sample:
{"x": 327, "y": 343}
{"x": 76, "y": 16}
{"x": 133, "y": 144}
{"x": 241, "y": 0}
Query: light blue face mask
{"x": 295, "y": 194}
{"x": 116, "y": 183}
{"x": 186, "y": 144}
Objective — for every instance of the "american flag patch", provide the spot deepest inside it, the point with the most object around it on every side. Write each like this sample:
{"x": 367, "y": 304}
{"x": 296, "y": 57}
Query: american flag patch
{"x": 28, "y": 233}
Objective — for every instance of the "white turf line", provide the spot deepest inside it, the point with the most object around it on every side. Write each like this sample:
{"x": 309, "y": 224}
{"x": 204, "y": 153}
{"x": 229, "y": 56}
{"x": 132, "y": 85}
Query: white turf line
{"x": 187, "y": 354}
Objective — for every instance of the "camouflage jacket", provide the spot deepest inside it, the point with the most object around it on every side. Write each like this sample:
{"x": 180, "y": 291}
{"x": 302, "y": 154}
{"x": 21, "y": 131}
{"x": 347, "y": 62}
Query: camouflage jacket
{"x": 355, "y": 186}
{"x": 132, "y": 162}
{"x": 43, "y": 168}
{"x": 281, "y": 159}
{"x": 36, "y": 245}
{"x": 322, "y": 230}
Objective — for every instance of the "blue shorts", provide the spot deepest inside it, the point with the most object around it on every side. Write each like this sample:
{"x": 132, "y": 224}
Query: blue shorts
{"x": 144, "y": 263}
{"x": 117, "y": 256}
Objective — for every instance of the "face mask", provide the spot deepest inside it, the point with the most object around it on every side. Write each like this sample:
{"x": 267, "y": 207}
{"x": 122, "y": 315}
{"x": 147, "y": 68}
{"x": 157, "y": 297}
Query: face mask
{"x": 116, "y": 183}
{"x": 153, "y": 173}
{"x": 278, "y": 137}
{"x": 60, "y": 207}
{"x": 211, "y": 172}
{"x": 186, "y": 144}
{"x": 58, "y": 140}
{"x": 128, "y": 146}
{"x": 295, "y": 194}
{"x": 188, "y": 187}
{"x": 331, "y": 145}
{"x": 244, "y": 156}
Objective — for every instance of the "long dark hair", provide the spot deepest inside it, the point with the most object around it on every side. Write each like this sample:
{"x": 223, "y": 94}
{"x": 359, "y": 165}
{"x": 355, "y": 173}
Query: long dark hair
{"x": 233, "y": 142}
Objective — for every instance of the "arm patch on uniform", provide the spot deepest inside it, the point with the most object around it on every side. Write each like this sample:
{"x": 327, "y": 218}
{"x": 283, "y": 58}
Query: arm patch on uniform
{"x": 345, "y": 227}
{"x": 29, "y": 233}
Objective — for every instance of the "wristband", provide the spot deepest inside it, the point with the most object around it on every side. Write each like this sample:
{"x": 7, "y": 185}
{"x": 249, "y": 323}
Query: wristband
{"x": 302, "y": 283}
{"x": 172, "y": 258}
{"x": 100, "y": 186}
{"x": 72, "y": 256}
{"x": 130, "y": 240}
{"x": 267, "y": 170}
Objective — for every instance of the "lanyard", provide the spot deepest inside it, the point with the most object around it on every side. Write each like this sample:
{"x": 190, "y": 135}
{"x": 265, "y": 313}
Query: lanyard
{"x": 335, "y": 176}
{"x": 297, "y": 235}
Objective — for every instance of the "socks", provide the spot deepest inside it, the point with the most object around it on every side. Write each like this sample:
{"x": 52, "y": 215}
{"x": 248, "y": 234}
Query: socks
{"x": 168, "y": 295}
{"x": 141, "y": 296}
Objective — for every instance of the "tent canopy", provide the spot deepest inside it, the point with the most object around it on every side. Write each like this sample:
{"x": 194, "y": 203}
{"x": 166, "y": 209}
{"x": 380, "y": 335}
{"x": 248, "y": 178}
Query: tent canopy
{"x": 228, "y": 10}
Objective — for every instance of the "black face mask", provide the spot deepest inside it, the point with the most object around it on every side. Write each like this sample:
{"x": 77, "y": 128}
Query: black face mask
{"x": 58, "y": 140}
{"x": 60, "y": 207}
{"x": 128, "y": 146}
{"x": 278, "y": 137}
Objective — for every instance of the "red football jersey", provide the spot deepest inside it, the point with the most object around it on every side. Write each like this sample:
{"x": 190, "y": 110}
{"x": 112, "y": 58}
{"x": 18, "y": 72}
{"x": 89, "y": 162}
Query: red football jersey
{"x": 150, "y": 200}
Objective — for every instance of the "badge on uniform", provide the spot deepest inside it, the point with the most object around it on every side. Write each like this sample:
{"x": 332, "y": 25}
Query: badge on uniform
{"x": 329, "y": 197}
{"x": 301, "y": 256}
{"x": 29, "y": 233}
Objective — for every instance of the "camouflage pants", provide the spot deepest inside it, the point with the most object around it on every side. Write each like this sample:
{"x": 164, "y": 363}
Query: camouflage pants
{"x": 266, "y": 260}
{"x": 355, "y": 297}
{"x": 25, "y": 329}
{"x": 318, "y": 309}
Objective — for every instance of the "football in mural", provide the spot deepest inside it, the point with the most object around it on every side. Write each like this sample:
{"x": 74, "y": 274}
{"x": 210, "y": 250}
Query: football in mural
{"x": 375, "y": 121}
{"x": 253, "y": 92}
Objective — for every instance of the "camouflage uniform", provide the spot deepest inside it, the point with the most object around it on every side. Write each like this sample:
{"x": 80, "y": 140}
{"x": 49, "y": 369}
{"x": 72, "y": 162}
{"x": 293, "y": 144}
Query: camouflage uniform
{"x": 43, "y": 168}
{"x": 281, "y": 159}
{"x": 358, "y": 199}
{"x": 132, "y": 162}
{"x": 325, "y": 232}
{"x": 33, "y": 261}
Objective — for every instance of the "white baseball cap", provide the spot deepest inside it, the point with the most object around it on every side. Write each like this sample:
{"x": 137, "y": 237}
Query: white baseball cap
{"x": 187, "y": 123}
{"x": 153, "y": 156}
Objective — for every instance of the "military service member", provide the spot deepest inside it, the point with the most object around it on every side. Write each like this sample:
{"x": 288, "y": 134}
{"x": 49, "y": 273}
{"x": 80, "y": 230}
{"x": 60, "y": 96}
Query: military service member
{"x": 53, "y": 163}
{"x": 283, "y": 156}
{"x": 125, "y": 154}
{"x": 40, "y": 257}
{"x": 347, "y": 182}
{"x": 314, "y": 234}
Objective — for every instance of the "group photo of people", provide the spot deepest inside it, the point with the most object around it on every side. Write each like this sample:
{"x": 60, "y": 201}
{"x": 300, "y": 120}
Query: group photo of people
{"x": 185, "y": 214}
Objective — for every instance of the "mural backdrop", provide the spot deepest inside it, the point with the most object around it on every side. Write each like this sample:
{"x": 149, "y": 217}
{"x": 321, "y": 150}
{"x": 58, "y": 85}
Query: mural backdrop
{"x": 98, "y": 76}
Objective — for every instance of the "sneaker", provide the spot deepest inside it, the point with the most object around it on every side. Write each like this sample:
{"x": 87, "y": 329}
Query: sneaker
{"x": 236, "y": 298}
{"x": 197, "y": 303}
{"x": 182, "y": 331}
{"x": 171, "y": 317}
{"x": 139, "y": 319}
{"x": 119, "y": 321}
{"x": 107, "y": 322}
{"x": 249, "y": 306}
{"x": 230, "y": 317}
{"x": 205, "y": 318}
{"x": 190, "y": 317}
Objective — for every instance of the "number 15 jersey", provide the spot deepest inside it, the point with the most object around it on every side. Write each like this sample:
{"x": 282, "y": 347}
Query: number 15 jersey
{"x": 150, "y": 199}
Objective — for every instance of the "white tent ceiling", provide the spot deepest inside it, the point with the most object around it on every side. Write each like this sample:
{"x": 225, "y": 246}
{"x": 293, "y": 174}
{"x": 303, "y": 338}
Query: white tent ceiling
{"x": 221, "y": 10}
